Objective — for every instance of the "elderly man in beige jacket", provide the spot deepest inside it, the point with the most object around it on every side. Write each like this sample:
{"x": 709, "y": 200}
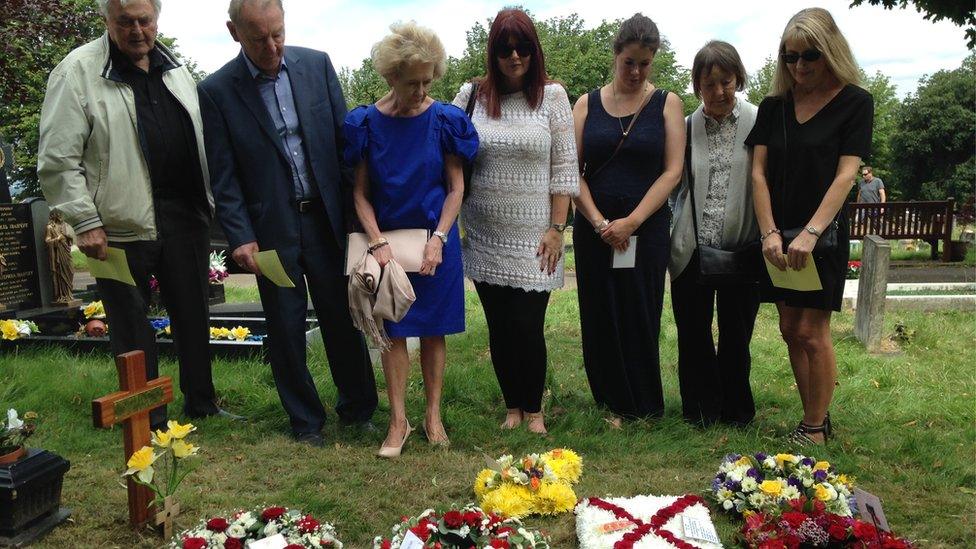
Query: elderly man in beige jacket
{"x": 121, "y": 157}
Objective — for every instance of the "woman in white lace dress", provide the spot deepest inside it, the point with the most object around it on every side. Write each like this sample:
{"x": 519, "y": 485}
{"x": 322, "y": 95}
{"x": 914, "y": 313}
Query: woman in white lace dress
{"x": 522, "y": 182}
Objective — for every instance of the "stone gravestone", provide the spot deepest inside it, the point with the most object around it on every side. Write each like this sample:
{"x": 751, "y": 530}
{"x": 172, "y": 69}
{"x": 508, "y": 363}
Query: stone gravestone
{"x": 25, "y": 277}
{"x": 872, "y": 289}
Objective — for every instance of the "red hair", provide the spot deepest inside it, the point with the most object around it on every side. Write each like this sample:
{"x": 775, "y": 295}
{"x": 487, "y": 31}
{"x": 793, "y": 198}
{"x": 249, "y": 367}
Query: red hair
{"x": 507, "y": 24}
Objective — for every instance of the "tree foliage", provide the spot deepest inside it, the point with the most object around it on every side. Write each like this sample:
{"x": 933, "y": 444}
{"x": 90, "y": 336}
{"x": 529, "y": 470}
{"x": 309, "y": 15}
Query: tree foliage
{"x": 761, "y": 82}
{"x": 933, "y": 136}
{"x": 578, "y": 57}
{"x": 960, "y": 12}
{"x": 886, "y": 110}
{"x": 34, "y": 36}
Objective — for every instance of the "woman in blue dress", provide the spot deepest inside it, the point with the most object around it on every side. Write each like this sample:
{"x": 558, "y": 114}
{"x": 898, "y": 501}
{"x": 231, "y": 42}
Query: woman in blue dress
{"x": 407, "y": 150}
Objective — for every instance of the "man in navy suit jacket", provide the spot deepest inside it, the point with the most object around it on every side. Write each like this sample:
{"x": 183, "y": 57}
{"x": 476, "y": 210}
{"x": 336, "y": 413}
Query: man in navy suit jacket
{"x": 272, "y": 124}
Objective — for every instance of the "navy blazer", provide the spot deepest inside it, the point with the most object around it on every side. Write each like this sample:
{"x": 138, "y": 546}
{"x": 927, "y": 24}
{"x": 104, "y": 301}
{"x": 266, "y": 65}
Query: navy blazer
{"x": 250, "y": 173}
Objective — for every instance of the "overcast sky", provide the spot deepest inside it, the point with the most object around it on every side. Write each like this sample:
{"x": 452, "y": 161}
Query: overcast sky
{"x": 899, "y": 43}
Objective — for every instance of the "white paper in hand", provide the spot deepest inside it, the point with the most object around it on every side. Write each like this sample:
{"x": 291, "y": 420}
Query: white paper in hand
{"x": 627, "y": 259}
{"x": 276, "y": 541}
{"x": 411, "y": 541}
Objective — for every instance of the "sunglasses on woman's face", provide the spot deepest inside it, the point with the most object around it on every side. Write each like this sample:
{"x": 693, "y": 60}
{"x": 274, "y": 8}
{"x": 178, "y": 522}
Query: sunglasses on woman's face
{"x": 524, "y": 49}
{"x": 809, "y": 56}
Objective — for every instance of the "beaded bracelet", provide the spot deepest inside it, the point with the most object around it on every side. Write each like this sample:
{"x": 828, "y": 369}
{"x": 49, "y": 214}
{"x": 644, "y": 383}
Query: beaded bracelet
{"x": 765, "y": 235}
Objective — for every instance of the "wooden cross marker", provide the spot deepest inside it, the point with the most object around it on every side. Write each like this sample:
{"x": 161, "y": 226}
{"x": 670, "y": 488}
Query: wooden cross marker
{"x": 131, "y": 407}
{"x": 165, "y": 517}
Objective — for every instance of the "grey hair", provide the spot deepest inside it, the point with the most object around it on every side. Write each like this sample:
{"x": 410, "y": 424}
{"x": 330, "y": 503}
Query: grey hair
{"x": 103, "y": 5}
{"x": 234, "y": 10}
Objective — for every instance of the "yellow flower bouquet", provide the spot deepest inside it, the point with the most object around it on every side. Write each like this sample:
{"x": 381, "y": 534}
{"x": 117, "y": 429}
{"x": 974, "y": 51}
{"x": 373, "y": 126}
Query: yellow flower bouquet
{"x": 533, "y": 485}
{"x": 172, "y": 443}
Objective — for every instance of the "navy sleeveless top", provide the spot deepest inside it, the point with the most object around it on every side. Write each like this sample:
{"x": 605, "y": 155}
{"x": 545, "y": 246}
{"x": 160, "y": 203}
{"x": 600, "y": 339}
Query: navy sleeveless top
{"x": 640, "y": 160}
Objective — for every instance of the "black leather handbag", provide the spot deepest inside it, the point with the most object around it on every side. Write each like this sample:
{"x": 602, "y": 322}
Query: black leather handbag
{"x": 718, "y": 267}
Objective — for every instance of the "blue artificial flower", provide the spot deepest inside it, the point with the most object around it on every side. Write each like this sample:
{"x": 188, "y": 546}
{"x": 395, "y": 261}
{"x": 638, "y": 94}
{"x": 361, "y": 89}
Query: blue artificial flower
{"x": 716, "y": 484}
{"x": 720, "y": 477}
{"x": 794, "y": 482}
{"x": 807, "y": 461}
{"x": 732, "y": 457}
{"x": 760, "y": 457}
{"x": 733, "y": 485}
{"x": 159, "y": 324}
{"x": 820, "y": 475}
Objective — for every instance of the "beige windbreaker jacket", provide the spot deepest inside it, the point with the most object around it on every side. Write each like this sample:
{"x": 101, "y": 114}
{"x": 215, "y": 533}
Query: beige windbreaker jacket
{"x": 90, "y": 163}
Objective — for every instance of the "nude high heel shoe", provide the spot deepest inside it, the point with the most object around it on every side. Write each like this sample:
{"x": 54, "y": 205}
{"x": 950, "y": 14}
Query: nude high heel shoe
{"x": 390, "y": 452}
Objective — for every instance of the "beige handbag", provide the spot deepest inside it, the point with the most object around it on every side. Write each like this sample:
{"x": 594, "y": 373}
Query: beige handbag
{"x": 407, "y": 245}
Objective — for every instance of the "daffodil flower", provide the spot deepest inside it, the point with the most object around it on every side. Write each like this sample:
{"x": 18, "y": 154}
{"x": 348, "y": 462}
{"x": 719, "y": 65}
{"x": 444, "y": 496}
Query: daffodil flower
{"x": 162, "y": 439}
{"x": 140, "y": 464}
{"x": 178, "y": 431}
{"x": 183, "y": 449}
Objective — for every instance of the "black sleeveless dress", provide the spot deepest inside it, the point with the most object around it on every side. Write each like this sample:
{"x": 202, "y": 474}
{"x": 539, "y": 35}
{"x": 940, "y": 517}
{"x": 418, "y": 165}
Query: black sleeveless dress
{"x": 620, "y": 309}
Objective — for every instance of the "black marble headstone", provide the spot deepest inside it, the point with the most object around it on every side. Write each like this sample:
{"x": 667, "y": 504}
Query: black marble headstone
{"x": 26, "y": 279}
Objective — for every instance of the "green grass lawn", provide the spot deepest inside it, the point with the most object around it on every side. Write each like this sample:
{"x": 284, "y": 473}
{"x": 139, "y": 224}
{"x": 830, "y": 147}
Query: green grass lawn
{"x": 904, "y": 422}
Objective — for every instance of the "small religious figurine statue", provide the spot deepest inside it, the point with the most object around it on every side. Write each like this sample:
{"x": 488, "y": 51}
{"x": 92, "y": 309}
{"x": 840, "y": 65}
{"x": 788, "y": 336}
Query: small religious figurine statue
{"x": 59, "y": 255}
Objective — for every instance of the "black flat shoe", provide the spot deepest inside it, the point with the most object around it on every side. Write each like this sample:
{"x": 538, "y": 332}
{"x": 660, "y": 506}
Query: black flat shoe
{"x": 314, "y": 440}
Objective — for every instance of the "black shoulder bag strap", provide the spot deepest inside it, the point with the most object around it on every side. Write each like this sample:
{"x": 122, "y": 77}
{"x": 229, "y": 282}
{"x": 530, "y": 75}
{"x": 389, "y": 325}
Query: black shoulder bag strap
{"x": 691, "y": 182}
{"x": 472, "y": 99}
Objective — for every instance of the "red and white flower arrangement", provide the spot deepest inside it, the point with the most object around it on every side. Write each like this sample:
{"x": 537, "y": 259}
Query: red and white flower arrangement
{"x": 853, "y": 269}
{"x": 218, "y": 267}
{"x": 808, "y": 524}
{"x": 236, "y": 530}
{"x": 462, "y": 528}
{"x": 641, "y": 522}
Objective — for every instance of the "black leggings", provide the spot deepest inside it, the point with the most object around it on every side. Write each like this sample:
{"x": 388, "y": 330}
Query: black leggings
{"x": 516, "y": 321}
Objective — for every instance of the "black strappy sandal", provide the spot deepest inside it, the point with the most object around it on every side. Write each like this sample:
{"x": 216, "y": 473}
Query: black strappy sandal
{"x": 799, "y": 435}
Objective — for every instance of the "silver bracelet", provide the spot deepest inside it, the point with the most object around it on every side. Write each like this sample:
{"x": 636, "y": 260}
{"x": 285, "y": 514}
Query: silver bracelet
{"x": 601, "y": 225}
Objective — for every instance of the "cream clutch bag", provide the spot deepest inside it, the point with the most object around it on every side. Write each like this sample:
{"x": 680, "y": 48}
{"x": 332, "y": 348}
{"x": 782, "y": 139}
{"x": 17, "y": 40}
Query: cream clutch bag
{"x": 407, "y": 244}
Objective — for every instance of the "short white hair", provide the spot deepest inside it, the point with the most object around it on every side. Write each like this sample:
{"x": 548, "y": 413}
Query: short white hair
{"x": 234, "y": 10}
{"x": 103, "y": 5}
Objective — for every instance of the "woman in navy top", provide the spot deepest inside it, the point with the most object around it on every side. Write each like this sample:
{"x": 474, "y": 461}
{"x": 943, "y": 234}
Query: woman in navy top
{"x": 408, "y": 151}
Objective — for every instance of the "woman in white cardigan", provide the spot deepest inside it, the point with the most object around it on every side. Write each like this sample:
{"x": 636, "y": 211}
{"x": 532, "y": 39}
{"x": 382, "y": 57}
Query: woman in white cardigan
{"x": 714, "y": 381}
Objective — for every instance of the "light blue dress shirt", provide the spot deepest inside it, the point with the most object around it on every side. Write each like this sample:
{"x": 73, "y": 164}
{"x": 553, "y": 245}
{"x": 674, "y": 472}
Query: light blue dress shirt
{"x": 277, "y": 95}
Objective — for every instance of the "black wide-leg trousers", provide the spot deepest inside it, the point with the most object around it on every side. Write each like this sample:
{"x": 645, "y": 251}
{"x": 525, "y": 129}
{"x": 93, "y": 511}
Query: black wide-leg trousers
{"x": 714, "y": 382}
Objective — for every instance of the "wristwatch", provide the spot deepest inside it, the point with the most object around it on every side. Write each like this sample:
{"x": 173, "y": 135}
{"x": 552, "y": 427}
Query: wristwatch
{"x": 441, "y": 236}
{"x": 560, "y": 227}
{"x": 813, "y": 230}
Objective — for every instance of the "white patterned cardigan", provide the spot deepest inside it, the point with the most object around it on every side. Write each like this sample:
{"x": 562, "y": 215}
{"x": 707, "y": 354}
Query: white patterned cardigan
{"x": 524, "y": 157}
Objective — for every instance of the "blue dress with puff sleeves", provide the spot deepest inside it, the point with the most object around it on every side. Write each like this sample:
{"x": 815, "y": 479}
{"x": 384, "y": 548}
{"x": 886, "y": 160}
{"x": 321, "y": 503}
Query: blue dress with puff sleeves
{"x": 405, "y": 161}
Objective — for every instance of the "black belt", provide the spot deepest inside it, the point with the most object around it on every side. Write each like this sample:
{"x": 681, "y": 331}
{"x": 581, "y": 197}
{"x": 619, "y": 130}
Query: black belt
{"x": 305, "y": 206}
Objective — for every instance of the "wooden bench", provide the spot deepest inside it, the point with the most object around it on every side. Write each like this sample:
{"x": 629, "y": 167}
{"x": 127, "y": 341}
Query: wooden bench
{"x": 929, "y": 221}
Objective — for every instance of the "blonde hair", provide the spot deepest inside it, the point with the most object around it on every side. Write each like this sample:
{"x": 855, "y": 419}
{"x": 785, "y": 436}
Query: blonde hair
{"x": 408, "y": 44}
{"x": 816, "y": 28}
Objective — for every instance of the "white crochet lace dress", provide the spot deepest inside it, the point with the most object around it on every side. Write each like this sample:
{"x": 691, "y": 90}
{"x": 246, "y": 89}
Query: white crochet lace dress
{"x": 524, "y": 157}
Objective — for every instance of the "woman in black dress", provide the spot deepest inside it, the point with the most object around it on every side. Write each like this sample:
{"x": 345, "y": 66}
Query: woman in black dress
{"x": 801, "y": 183}
{"x": 630, "y": 168}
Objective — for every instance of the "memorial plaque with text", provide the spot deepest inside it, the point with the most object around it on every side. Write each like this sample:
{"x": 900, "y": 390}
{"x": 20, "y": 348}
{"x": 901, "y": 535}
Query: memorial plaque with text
{"x": 19, "y": 283}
